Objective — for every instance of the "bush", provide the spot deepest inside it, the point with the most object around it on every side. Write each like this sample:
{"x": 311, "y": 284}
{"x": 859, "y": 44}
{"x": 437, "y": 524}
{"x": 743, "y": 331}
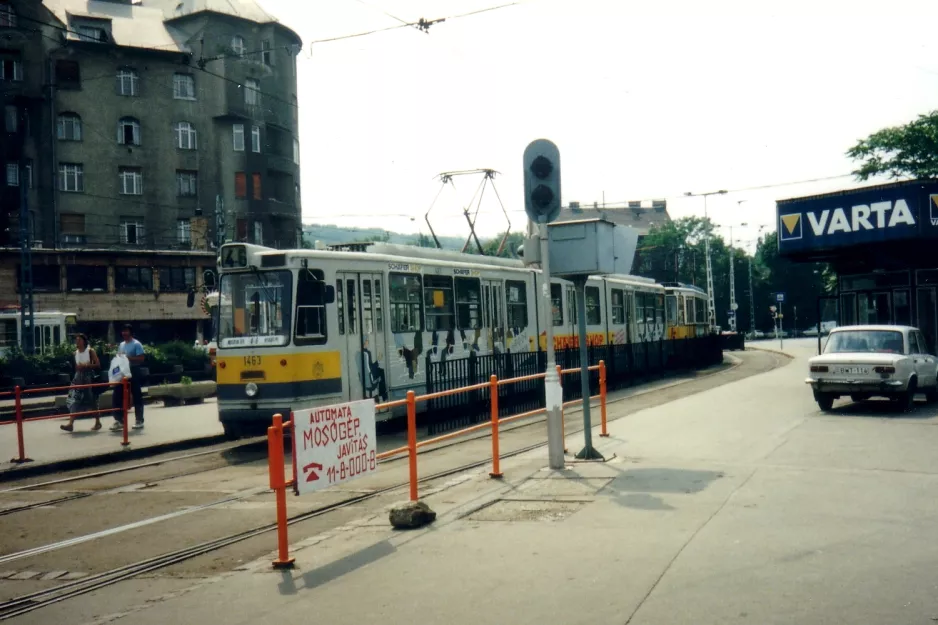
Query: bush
{"x": 55, "y": 361}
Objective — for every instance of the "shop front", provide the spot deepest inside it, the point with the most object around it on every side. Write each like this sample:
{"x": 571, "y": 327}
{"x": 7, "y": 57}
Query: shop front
{"x": 882, "y": 242}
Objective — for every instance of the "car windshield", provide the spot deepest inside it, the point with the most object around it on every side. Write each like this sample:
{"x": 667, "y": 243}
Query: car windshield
{"x": 882, "y": 341}
{"x": 255, "y": 309}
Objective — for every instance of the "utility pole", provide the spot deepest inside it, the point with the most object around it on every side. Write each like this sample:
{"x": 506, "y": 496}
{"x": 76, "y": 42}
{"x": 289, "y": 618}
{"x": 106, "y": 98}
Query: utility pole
{"x": 26, "y": 249}
{"x": 711, "y": 306}
{"x": 221, "y": 232}
{"x": 733, "y": 304}
{"x": 752, "y": 301}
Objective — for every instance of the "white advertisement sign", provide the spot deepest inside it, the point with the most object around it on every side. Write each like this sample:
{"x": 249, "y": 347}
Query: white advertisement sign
{"x": 334, "y": 444}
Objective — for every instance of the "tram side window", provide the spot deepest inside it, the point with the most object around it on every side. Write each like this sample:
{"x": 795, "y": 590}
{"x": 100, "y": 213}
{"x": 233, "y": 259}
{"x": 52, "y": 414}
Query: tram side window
{"x": 671, "y": 309}
{"x": 700, "y": 308}
{"x": 517, "y": 304}
{"x": 8, "y": 334}
{"x": 618, "y": 307}
{"x": 468, "y": 303}
{"x": 310, "y": 308}
{"x": 659, "y": 309}
{"x": 681, "y": 312}
{"x": 556, "y": 303}
{"x": 379, "y": 309}
{"x": 405, "y": 302}
{"x": 438, "y": 303}
{"x": 593, "y": 314}
{"x": 340, "y": 305}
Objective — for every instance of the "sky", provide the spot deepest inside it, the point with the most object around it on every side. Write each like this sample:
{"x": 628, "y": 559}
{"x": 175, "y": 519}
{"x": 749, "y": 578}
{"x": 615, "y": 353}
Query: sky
{"x": 645, "y": 100}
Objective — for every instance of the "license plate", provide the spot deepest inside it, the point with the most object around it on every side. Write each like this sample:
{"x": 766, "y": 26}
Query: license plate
{"x": 853, "y": 370}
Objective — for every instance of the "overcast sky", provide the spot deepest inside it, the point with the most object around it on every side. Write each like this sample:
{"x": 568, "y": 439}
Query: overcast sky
{"x": 644, "y": 99}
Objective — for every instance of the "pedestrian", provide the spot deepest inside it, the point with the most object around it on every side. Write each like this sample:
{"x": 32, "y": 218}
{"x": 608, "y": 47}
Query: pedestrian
{"x": 83, "y": 399}
{"x": 133, "y": 351}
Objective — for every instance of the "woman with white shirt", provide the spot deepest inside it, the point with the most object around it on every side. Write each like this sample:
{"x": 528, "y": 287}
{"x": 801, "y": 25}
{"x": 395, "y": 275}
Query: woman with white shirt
{"x": 83, "y": 399}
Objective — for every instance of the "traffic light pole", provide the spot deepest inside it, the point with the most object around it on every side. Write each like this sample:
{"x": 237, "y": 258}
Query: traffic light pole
{"x": 553, "y": 392}
{"x": 588, "y": 452}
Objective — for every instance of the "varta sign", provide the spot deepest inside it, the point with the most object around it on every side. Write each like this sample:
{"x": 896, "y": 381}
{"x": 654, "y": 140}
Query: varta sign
{"x": 871, "y": 215}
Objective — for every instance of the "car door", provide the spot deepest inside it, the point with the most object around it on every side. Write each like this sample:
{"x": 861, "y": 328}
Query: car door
{"x": 925, "y": 363}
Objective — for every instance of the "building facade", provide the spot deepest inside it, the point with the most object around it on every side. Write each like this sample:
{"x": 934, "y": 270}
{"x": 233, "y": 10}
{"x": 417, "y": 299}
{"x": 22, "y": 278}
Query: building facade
{"x": 145, "y": 133}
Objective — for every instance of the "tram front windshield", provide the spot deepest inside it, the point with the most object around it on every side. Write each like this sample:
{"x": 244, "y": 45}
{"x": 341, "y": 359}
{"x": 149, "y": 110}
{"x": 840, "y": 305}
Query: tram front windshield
{"x": 255, "y": 309}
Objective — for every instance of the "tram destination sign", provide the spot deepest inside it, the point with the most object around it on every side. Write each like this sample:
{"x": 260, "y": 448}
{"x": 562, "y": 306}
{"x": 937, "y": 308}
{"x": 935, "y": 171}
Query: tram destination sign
{"x": 334, "y": 444}
{"x": 884, "y": 213}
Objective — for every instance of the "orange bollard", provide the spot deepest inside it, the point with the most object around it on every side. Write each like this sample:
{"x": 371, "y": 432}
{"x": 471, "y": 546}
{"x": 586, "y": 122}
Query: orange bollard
{"x": 20, "y": 442}
{"x": 602, "y": 396}
{"x": 493, "y": 391}
{"x": 412, "y": 442}
{"x": 275, "y": 462}
{"x": 125, "y": 408}
{"x": 563, "y": 427}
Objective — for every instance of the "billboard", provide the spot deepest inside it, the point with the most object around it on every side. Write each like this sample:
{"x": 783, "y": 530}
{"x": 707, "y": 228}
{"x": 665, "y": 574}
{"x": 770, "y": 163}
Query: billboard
{"x": 896, "y": 212}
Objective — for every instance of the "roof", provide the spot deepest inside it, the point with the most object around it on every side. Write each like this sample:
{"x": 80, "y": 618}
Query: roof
{"x": 245, "y": 9}
{"x": 132, "y": 25}
{"x": 641, "y": 218}
{"x": 874, "y": 328}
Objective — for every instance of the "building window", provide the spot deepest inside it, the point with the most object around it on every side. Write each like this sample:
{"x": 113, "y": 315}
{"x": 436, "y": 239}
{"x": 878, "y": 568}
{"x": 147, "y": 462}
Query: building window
{"x": 132, "y": 230}
{"x": 91, "y": 33}
{"x": 237, "y": 135}
{"x": 296, "y": 151}
{"x": 256, "y": 183}
{"x": 252, "y": 92}
{"x": 11, "y": 69}
{"x": 185, "y": 136}
{"x": 258, "y": 233}
{"x": 241, "y": 185}
{"x": 7, "y": 15}
{"x": 183, "y": 87}
{"x": 13, "y": 175}
{"x": 133, "y": 278}
{"x": 10, "y": 118}
{"x": 68, "y": 127}
{"x": 131, "y": 179}
{"x": 71, "y": 177}
{"x": 46, "y": 278}
{"x": 266, "y": 54}
{"x": 237, "y": 45}
{"x": 176, "y": 279}
{"x": 255, "y": 138}
{"x": 187, "y": 183}
{"x": 86, "y": 278}
{"x": 128, "y": 131}
{"x": 183, "y": 231}
{"x": 67, "y": 75}
{"x": 72, "y": 228}
{"x": 127, "y": 81}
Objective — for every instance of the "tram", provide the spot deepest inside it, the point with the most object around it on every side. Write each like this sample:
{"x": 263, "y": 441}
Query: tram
{"x": 49, "y": 329}
{"x": 299, "y": 328}
{"x": 687, "y": 311}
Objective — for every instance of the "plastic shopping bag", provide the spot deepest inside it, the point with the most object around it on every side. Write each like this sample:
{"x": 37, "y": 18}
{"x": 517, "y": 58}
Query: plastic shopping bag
{"x": 119, "y": 369}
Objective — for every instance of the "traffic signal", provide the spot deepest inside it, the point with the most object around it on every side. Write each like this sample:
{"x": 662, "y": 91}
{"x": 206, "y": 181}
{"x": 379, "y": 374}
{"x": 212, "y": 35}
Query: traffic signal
{"x": 542, "y": 181}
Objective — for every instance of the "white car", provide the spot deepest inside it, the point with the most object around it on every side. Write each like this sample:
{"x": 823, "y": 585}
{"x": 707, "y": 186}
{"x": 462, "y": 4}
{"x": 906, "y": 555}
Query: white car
{"x": 874, "y": 361}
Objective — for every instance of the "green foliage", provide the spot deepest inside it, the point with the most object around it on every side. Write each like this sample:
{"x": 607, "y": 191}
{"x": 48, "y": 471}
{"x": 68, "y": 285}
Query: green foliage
{"x": 185, "y": 380}
{"x": 18, "y": 364}
{"x": 909, "y": 150}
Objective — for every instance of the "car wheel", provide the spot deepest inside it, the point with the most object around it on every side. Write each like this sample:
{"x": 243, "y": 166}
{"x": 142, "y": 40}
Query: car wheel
{"x": 907, "y": 399}
{"x": 825, "y": 401}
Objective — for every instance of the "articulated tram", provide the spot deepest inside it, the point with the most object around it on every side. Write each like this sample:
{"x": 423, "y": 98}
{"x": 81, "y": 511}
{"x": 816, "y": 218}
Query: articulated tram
{"x": 299, "y": 328}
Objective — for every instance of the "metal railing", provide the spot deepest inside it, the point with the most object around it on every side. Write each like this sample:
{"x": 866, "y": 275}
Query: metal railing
{"x": 18, "y": 394}
{"x": 275, "y": 438}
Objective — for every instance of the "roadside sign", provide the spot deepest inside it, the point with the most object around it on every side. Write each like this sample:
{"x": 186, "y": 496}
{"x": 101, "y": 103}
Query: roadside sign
{"x": 334, "y": 444}
{"x": 780, "y": 298}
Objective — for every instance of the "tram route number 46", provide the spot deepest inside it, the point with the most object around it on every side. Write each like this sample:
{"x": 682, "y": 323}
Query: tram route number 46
{"x": 334, "y": 444}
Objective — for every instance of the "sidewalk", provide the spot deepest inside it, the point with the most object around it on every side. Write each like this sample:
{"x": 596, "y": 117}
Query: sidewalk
{"x": 47, "y": 444}
{"x": 736, "y": 505}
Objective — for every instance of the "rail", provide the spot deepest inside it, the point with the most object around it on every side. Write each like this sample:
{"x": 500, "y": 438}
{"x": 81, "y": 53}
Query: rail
{"x": 275, "y": 440}
{"x": 18, "y": 394}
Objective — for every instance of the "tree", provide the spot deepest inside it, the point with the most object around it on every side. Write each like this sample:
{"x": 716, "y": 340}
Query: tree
{"x": 514, "y": 241}
{"x": 423, "y": 240}
{"x": 909, "y": 150}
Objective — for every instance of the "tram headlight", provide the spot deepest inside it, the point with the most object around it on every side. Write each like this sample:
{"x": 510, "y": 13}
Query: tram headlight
{"x": 250, "y": 389}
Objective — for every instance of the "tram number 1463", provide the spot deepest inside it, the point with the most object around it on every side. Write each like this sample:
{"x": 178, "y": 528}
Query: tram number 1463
{"x": 252, "y": 361}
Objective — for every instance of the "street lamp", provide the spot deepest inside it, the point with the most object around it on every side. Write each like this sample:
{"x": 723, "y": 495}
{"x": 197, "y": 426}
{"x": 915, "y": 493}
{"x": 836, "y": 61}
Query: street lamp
{"x": 711, "y": 307}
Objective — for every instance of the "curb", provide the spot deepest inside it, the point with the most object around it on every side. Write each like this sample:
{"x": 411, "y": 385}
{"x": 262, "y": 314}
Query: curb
{"x": 772, "y": 351}
{"x": 71, "y": 464}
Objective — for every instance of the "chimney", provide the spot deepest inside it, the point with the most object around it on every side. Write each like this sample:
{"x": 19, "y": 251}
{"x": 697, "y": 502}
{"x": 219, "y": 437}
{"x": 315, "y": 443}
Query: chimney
{"x": 636, "y": 205}
{"x": 659, "y": 205}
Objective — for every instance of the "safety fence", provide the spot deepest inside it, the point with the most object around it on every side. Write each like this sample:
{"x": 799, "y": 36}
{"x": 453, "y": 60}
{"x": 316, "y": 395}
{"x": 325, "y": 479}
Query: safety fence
{"x": 492, "y": 389}
{"x": 626, "y": 365}
{"x": 18, "y": 394}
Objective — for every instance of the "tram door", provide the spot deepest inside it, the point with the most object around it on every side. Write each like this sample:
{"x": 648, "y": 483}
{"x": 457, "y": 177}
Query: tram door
{"x": 492, "y": 316}
{"x": 361, "y": 312}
